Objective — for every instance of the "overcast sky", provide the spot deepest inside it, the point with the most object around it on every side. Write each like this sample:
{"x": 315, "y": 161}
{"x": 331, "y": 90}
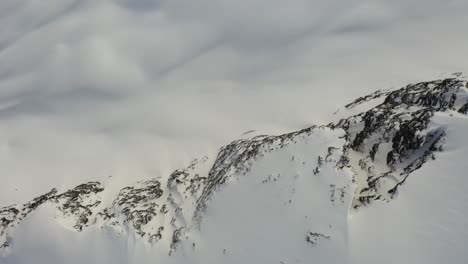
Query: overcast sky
{"x": 136, "y": 88}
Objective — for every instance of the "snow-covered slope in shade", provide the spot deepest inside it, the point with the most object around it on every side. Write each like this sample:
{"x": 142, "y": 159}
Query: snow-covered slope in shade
{"x": 384, "y": 182}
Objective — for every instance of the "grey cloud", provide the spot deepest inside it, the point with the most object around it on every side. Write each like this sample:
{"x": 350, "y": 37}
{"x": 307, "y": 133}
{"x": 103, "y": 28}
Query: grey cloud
{"x": 140, "y": 5}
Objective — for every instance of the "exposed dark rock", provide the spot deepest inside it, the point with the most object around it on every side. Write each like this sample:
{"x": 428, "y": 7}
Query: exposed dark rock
{"x": 401, "y": 121}
{"x": 464, "y": 109}
{"x": 175, "y": 239}
{"x": 79, "y": 202}
{"x": 11, "y": 216}
{"x": 138, "y": 203}
{"x": 366, "y": 98}
{"x": 313, "y": 237}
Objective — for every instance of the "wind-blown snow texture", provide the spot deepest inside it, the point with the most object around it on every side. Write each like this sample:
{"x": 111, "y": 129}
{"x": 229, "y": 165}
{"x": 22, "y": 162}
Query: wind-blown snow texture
{"x": 313, "y": 195}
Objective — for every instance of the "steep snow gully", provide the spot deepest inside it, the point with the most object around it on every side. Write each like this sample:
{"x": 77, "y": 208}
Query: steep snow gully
{"x": 301, "y": 186}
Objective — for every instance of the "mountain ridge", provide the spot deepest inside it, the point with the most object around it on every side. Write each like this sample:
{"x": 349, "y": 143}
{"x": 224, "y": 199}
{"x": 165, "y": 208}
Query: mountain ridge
{"x": 377, "y": 149}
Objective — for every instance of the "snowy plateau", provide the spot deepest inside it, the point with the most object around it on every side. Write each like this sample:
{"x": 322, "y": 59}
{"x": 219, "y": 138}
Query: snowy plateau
{"x": 386, "y": 182}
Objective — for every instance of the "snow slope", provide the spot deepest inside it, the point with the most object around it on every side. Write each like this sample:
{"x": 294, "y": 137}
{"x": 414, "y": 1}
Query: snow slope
{"x": 383, "y": 183}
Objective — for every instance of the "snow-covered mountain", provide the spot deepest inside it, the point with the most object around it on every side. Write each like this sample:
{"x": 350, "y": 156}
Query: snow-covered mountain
{"x": 385, "y": 182}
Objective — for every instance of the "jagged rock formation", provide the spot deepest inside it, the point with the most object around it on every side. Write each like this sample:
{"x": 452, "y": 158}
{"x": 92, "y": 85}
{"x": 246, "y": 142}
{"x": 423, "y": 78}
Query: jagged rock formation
{"x": 78, "y": 203}
{"x": 11, "y": 216}
{"x": 382, "y": 146}
{"x": 391, "y": 140}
